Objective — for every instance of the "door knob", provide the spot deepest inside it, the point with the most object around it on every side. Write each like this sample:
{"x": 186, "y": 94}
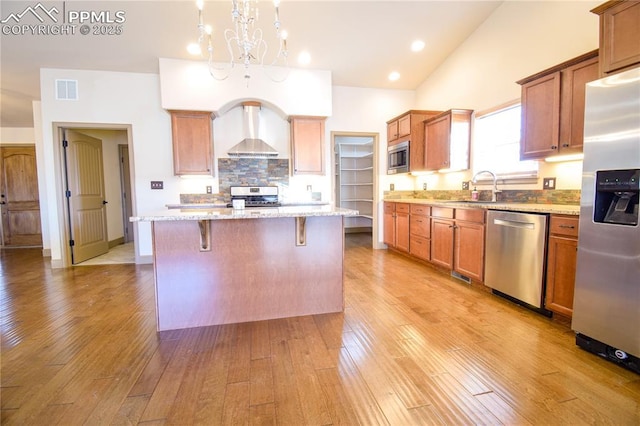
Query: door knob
{"x": 104, "y": 201}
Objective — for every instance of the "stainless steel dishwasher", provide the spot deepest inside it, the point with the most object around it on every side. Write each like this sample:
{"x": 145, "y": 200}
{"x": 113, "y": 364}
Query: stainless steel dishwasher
{"x": 515, "y": 255}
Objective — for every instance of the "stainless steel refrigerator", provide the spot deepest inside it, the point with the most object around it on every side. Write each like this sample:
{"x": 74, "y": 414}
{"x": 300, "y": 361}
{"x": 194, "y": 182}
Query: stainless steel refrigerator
{"x": 606, "y": 309}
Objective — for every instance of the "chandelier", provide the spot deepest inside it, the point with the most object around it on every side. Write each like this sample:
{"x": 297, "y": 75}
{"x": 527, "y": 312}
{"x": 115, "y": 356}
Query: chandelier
{"x": 244, "y": 42}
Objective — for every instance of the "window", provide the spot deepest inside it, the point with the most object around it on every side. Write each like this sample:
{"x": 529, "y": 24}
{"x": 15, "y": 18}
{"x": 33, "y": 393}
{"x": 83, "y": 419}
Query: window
{"x": 497, "y": 144}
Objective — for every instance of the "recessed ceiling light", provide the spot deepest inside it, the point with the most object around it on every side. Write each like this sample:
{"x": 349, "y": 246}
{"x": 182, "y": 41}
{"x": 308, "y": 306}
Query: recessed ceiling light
{"x": 417, "y": 45}
{"x": 395, "y": 75}
{"x": 304, "y": 58}
{"x": 194, "y": 49}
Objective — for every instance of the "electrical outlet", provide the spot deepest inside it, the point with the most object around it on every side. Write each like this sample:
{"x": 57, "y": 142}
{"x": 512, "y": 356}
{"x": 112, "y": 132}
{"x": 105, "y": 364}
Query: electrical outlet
{"x": 424, "y": 186}
{"x": 465, "y": 185}
{"x": 209, "y": 189}
{"x": 392, "y": 187}
{"x": 549, "y": 183}
{"x": 157, "y": 184}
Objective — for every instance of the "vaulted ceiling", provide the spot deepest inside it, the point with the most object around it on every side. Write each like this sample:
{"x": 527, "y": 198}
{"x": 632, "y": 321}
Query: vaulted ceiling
{"x": 359, "y": 41}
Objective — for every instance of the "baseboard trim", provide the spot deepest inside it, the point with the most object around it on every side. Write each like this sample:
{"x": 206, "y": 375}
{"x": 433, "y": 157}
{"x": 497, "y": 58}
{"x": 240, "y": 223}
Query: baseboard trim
{"x": 144, "y": 260}
{"x": 116, "y": 242}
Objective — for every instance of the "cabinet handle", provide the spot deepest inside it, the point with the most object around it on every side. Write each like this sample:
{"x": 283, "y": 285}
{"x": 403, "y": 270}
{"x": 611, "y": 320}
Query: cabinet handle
{"x": 565, "y": 145}
{"x": 566, "y": 226}
{"x": 554, "y": 147}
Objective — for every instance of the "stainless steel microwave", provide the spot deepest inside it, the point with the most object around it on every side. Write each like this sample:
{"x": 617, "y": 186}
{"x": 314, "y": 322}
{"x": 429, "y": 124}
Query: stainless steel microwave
{"x": 398, "y": 158}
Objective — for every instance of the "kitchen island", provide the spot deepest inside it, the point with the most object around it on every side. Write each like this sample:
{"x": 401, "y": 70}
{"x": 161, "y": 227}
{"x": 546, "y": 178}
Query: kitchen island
{"x": 219, "y": 266}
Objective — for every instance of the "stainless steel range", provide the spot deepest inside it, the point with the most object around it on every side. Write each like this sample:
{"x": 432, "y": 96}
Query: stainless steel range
{"x": 255, "y": 196}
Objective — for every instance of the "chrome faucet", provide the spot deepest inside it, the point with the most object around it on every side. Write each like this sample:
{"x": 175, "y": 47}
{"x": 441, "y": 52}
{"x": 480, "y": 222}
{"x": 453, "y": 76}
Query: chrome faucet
{"x": 495, "y": 190}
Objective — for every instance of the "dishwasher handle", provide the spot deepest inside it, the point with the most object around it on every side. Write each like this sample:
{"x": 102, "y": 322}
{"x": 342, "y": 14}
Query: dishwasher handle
{"x": 514, "y": 224}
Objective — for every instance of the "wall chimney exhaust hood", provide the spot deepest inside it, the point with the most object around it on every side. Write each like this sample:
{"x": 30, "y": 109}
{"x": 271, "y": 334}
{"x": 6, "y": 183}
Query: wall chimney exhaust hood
{"x": 252, "y": 146}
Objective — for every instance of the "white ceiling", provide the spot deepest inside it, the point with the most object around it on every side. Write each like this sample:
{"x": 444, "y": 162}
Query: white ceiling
{"x": 359, "y": 41}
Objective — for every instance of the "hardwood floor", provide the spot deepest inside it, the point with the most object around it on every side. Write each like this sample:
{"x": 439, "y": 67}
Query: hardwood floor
{"x": 413, "y": 346}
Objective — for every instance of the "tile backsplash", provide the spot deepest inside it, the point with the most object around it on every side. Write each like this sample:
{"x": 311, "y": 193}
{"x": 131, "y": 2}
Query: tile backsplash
{"x": 244, "y": 171}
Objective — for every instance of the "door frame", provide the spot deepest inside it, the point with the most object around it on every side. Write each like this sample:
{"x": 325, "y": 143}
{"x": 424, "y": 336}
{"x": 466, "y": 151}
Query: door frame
{"x": 59, "y": 170}
{"x": 375, "y": 227}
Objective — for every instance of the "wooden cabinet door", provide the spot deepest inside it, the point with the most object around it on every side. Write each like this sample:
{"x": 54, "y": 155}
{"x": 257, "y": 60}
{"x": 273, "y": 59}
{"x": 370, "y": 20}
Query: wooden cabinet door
{"x": 437, "y": 134}
{"x": 619, "y": 35}
{"x": 392, "y": 132}
{"x": 307, "y": 140}
{"x": 469, "y": 250}
{"x": 404, "y": 126}
{"x": 192, "y": 143}
{"x": 402, "y": 231}
{"x": 562, "y": 253}
{"x": 574, "y": 80}
{"x": 540, "y": 117}
{"x": 561, "y": 274}
{"x": 389, "y": 233}
{"x": 442, "y": 242}
{"x": 420, "y": 247}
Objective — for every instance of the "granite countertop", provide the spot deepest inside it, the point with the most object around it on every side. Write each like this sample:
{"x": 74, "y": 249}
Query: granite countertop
{"x": 568, "y": 209}
{"x": 224, "y": 205}
{"x": 222, "y": 213}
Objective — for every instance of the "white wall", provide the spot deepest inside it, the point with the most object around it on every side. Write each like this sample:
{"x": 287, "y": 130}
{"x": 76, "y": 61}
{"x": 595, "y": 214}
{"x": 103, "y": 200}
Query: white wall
{"x": 17, "y": 136}
{"x": 187, "y": 85}
{"x": 519, "y": 39}
{"x": 368, "y": 110}
{"x": 115, "y": 99}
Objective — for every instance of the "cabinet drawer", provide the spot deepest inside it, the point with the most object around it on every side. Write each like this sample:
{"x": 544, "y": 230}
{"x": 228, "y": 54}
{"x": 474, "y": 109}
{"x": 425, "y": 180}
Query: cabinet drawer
{"x": 420, "y": 225}
{"x": 420, "y": 247}
{"x": 564, "y": 225}
{"x": 470, "y": 215}
{"x": 402, "y": 208}
{"x": 443, "y": 212}
{"x": 420, "y": 209}
{"x": 389, "y": 207}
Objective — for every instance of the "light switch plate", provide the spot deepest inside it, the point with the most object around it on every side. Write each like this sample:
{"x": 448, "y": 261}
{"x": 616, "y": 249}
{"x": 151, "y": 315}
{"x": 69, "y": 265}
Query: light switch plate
{"x": 549, "y": 183}
{"x": 392, "y": 187}
{"x": 157, "y": 184}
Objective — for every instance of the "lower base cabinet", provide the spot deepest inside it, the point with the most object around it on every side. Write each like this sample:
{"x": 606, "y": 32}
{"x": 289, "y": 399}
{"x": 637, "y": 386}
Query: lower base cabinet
{"x": 420, "y": 231}
{"x": 450, "y": 238}
{"x": 469, "y": 250}
{"x": 562, "y": 255}
{"x": 442, "y": 241}
{"x": 396, "y": 225}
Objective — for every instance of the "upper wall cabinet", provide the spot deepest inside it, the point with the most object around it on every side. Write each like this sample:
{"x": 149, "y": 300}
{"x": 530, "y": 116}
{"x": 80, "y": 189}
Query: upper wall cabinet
{"x": 447, "y": 140}
{"x": 192, "y": 142}
{"x": 553, "y": 108}
{"x": 307, "y": 145}
{"x": 619, "y": 35}
{"x": 409, "y": 127}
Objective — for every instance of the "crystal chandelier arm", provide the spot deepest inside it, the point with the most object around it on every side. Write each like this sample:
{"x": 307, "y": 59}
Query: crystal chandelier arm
{"x": 248, "y": 40}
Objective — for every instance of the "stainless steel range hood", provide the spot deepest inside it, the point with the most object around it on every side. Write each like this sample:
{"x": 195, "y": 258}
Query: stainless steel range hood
{"x": 252, "y": 146}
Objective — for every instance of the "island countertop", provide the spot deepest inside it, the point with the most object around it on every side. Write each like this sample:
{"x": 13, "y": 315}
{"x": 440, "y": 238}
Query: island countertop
{"x": 246, "y": 213}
